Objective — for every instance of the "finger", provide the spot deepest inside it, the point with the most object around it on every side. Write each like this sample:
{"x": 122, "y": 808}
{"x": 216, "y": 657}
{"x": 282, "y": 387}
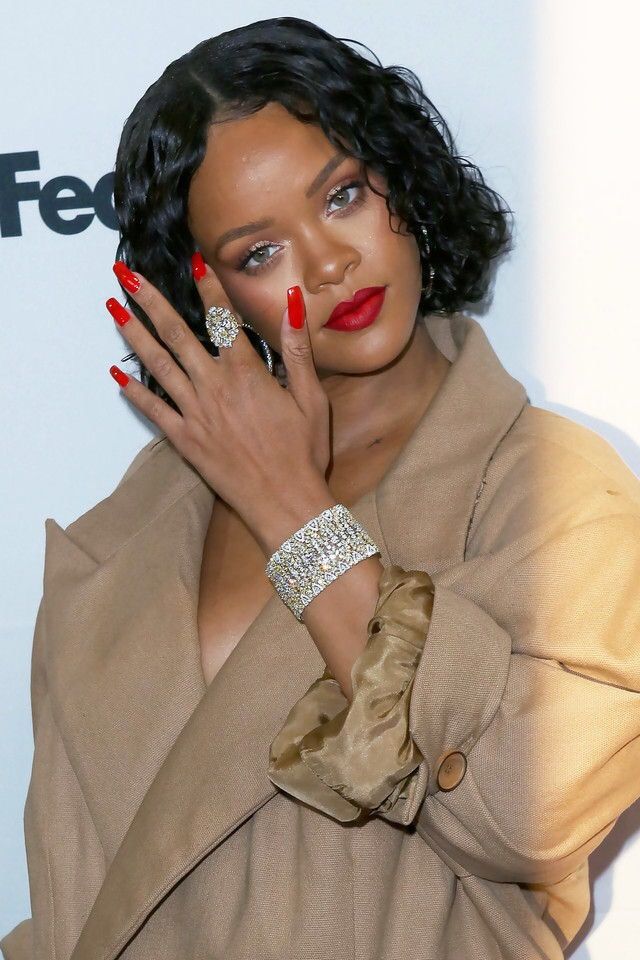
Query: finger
{"x": 151, "y": 405}
{"x": 168, "y": 323}
{"x": 212, "y": 294}
{"x": 156, "y": 359}
{"x": 297, "y": 355}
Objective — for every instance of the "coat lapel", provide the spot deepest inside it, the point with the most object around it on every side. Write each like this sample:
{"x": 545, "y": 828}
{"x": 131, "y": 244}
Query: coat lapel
{"x": 169, "y": 766}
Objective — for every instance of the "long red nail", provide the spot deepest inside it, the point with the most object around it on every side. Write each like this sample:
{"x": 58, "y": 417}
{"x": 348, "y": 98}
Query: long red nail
{"x": 295, "y": 305}
{"x": 119, "y": 376}
{"x": 117, "y": 311}
{"x": 128, "y": 279}
{"x": 198, "y": 268}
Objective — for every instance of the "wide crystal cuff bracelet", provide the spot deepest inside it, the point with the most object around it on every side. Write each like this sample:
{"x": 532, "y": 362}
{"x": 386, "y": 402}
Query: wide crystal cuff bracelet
{"x": 316, "y": 555}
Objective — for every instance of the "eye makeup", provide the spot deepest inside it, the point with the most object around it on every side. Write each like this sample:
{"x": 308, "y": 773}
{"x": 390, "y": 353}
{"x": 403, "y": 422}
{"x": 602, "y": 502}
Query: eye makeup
{"x": 358, "y": 185}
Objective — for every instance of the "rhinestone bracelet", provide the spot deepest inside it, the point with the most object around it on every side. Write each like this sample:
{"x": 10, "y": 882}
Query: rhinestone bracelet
{"x": 316, "y": 555}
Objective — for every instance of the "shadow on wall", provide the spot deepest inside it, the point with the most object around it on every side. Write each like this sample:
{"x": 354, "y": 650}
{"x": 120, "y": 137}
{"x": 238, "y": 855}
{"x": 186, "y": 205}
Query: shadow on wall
{"x": 600, "y": 862}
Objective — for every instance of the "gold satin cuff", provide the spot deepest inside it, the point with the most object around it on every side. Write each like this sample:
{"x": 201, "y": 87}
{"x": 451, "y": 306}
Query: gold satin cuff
{"x": 345, "y": 758}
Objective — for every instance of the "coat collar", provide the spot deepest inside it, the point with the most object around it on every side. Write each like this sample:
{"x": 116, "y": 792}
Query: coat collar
{"x": 170, "y": 767}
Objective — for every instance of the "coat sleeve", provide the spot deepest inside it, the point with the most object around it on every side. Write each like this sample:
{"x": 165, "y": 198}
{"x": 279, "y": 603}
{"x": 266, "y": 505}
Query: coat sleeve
{"x": 513, "y": 701}
{"x": 345, "y": 758}
{"x": 65, "y": 860}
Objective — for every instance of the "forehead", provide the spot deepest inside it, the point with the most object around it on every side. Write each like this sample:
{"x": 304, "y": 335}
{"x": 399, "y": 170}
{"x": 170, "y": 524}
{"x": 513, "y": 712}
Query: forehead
{"x": 254, "y": 157}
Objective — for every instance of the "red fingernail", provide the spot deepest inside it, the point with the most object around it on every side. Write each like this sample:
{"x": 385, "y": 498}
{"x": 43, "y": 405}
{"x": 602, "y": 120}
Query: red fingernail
{"x": 295, "y": 305}
{"x": 117, "y": 311}
{"x": 119, "y": 376}
{"x": 128, "y": 279}
{"x": 198, "y": 268}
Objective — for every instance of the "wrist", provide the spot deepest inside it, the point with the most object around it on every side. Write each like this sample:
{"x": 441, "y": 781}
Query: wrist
{"x": 316, "y": 555}
{"x": 286, "y": 510}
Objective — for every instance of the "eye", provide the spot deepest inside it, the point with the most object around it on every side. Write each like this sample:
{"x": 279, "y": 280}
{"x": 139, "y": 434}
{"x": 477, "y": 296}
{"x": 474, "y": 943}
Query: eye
{"x": 343, "y": 188}
{"x": 257, "y": 248}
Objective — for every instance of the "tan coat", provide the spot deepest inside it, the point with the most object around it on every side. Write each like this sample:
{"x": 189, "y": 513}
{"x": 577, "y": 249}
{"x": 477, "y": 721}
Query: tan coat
{"x": 153, "y": 831}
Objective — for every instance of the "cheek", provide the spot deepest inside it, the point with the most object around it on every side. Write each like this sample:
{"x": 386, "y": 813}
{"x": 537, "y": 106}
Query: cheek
{"x": 389, "y": 234}
{"x": 401, "y": 252}
{"x": 260, "y": 303}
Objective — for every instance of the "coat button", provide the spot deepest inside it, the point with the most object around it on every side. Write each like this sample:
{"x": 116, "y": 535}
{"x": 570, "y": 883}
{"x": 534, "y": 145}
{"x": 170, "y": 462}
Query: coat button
{"x": 452, "y": 770}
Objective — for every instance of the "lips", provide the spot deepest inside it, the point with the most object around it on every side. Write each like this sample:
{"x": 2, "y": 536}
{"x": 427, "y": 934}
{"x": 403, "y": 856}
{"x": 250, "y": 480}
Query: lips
{"x": 358, "y": 299}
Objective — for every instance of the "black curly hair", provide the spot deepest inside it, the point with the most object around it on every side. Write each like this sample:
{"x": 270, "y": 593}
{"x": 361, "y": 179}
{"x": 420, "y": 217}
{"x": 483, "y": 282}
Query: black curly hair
{"x": 381, "y": 115}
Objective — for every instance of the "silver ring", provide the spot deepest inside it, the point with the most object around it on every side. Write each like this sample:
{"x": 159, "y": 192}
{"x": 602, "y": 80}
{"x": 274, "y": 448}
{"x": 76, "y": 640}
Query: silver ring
{"x": 222, "y": 326}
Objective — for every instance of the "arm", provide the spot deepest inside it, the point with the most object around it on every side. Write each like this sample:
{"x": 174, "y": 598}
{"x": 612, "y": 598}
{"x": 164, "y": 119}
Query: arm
{"x": 337, "y": 617}
{"x": 64, "y": 857}
{"x": 65, "y": 860}
{"x": 534, "y": 674}
{"x": 528, "y": 680}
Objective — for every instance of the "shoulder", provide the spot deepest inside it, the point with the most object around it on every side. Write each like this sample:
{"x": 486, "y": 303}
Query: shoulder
{"x": 155, "y": 479}
{"x": 565, "y": 441}
{"x": 550, "y": 473}
{"x": 142, "y": 456}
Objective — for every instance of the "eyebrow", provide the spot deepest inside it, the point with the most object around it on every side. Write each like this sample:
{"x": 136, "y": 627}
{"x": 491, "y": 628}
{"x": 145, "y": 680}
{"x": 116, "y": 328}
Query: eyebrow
{"x": 256, "y": 225}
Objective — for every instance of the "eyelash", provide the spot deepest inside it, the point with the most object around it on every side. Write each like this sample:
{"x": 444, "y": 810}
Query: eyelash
{"x": 340, "y": 188}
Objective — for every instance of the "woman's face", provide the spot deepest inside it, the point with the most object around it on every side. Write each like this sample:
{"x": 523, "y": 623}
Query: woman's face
{"x": 331, "y": 238}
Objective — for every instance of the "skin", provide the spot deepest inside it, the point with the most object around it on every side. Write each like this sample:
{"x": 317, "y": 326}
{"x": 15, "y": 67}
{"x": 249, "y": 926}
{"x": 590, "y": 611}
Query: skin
{"x": 279, "y": 457}
{"x": 260, "y": 167}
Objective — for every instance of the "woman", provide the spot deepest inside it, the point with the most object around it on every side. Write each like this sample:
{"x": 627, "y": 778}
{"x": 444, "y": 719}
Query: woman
{"x": 346, "y": 668}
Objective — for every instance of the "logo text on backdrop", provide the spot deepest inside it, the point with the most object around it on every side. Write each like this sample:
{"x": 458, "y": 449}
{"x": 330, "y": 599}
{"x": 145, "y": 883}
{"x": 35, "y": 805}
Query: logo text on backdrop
{"x": 60, "y": 193}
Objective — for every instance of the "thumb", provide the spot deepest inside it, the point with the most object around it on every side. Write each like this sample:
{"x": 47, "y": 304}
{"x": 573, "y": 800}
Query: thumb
{"x": 296, "y": 351}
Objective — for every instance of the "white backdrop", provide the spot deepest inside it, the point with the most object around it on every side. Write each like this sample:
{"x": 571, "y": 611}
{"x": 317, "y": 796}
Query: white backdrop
{"x": 541, "y": 95}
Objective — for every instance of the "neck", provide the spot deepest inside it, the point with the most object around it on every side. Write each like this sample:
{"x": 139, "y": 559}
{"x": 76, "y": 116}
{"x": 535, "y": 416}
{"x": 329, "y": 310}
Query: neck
{"x": 361, "y": 411}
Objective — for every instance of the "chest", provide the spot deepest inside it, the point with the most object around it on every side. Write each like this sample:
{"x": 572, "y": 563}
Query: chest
{"x": 234, "y": 587}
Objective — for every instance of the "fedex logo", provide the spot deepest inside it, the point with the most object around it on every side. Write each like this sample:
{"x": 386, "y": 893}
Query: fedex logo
{"x": 61, "y": 193}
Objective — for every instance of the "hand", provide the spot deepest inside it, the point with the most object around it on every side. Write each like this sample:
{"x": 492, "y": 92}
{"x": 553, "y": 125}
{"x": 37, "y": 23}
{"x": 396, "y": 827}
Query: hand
{"x": 250, "y": 439}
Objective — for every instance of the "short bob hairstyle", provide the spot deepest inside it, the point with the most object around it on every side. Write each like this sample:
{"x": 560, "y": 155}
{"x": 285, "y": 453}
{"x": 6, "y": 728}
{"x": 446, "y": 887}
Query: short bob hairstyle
{"x": 380, "y": 115}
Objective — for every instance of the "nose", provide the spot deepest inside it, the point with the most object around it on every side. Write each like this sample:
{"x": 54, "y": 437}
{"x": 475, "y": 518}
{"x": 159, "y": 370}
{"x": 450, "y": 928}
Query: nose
{"x": 326, "y": 260}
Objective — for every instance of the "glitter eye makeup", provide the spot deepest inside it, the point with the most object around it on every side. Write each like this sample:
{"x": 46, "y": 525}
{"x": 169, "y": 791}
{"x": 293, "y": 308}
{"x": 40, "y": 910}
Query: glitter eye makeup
{"x": 243, "y": 267}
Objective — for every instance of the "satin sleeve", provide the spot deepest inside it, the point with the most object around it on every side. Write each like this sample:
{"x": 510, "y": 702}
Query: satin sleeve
{"x": 355, "y": 758}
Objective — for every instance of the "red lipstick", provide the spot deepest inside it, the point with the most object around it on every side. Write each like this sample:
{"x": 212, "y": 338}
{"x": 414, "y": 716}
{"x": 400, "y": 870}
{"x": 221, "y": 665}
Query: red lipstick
{"x": 358, "y": 312}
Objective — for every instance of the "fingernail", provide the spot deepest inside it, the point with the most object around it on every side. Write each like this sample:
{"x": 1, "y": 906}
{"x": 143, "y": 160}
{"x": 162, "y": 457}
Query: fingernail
{"x": 119, "y": 376}
{"x": 198, "y": 268}
{"x": 295, "y": 306}
{"x": 128, "y": 279}
{"x": 117, "y": 311}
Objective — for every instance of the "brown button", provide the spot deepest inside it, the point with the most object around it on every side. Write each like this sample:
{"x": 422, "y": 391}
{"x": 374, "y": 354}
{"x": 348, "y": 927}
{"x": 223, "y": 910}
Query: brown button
{"x": 452, "y": 770}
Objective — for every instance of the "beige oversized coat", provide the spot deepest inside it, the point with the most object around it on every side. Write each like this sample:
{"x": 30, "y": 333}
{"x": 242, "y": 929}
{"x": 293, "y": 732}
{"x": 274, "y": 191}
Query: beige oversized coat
{"x": 153, "y": 831}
